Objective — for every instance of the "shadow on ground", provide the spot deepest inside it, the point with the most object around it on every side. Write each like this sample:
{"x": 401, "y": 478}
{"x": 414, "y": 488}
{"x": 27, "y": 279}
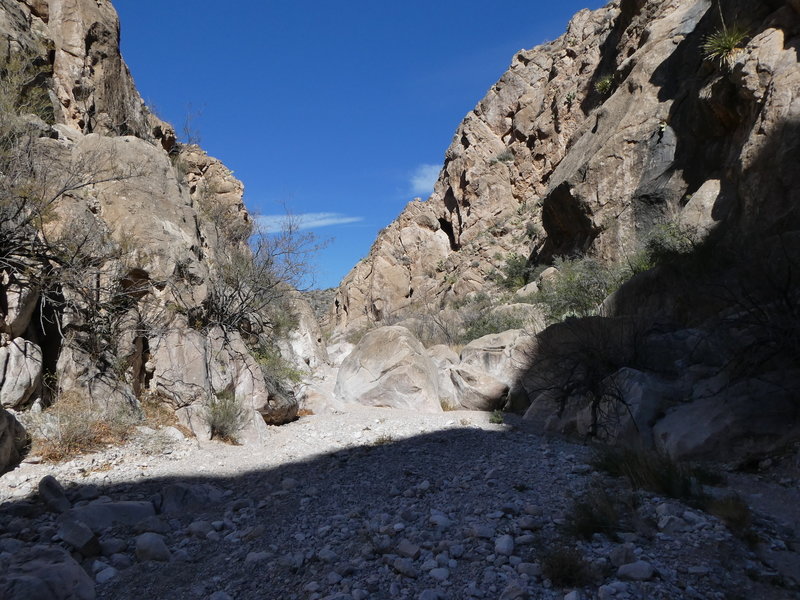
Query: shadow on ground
{"x": 325, "y": 525}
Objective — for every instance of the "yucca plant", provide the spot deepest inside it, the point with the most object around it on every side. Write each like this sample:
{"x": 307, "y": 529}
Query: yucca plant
{"x": 726, "y": 44}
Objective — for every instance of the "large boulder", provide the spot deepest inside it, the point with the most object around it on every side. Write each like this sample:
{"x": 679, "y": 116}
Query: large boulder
{"x": 476, "y": 390}
{"x": 631, "y": 403}
{"x": 389, "y": 367}
{"x": 501, "y": 355}
{"x": 45, "y": 573}
{"x": 13, "y": 441}
{"x": 20, "y": 373}
{"x": 748, "y": 418}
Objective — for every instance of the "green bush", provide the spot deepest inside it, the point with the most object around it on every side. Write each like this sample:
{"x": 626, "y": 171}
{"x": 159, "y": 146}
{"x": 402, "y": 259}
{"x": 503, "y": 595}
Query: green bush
{"x": 225, "y": 416}
{"x": 580, "y": 286}
{"x": 497, "y": 417}
{"x": 275, "y": 367}
{"x": 515, "y": 273}
{"x": 491, "y": 322}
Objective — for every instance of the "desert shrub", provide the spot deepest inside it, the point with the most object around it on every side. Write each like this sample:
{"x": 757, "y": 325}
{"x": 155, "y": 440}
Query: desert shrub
{"x": 497, "y": 417}
{"x": 648, "y": 470}
{"x": 491, "y": 322}
{"x": 578, "y": 288}
{"x": 594, "y": 512}
{"x": 74, "y": 425}
{"x": 667, "y": 242}
{"x": 225, "y": 416}
{"x": 505, "y": 156}
{"x": 275, "y": 366}
{"x": 565, "y": 567}
{"x": 515, "y": 273}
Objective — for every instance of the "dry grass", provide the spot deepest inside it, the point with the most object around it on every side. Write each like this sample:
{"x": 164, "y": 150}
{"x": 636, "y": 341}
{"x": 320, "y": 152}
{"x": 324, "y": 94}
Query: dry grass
{"x": 73, "y": 426}
{"x": 449, "y": 404}
{"x": 226, "y": 417}
{"x": 305, "y": 412}
{"x": 647, "y": 470}
{"x": 594, "y": 512}
{"x": 157, "y": 415}
{"x": 566, "y": 567}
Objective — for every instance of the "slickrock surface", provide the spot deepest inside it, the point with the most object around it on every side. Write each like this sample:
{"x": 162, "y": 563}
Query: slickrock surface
{"x": 375, "y": 503}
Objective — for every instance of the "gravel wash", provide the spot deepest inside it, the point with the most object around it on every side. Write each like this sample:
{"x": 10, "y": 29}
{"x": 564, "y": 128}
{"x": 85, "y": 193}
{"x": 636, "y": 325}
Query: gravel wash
{"x": 375, "y": 503}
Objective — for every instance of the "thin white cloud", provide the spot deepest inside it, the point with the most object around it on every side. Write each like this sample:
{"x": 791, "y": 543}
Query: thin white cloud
{"x": 423, "y": 178}
{"x": 276, "y": 223}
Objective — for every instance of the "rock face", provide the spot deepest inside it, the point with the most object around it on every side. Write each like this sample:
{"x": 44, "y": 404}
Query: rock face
{"x": 591, "y": 146}
{"x": 156, "y": 224}
{"x": 389, "y": 367}
{"x": 587, "y": 142}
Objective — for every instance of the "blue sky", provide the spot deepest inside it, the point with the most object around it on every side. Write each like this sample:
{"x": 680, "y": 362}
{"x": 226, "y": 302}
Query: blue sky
{"x": 340, "y": 111}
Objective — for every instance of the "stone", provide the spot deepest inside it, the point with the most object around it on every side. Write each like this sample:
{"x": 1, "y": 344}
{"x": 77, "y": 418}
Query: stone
{"x": 199, "y": 528}
{"x": 514, "y": 592}
{"x": 404, "y": 566}
{"x": 636, "y": 571}
{"x": 20, "y": 373}
{"x": 79, "y": 536}
{"x": 45, "y": 572}
{"x": 407, "y": 549}
{"x": 622, "y": 555}
{"x": 99, "y": 516}
{"x": 504, "y": 545}
{"x": 151, "y": 546}
{"x": 182, "y": 497}
{"x": 476, "y": 390}
{"x": 389, "y": 367}
{"x": 110, "y": 546}
{"x": 106, "y": 575}
{"x": 502, "y": 355}
{"x": 13, "y": 441}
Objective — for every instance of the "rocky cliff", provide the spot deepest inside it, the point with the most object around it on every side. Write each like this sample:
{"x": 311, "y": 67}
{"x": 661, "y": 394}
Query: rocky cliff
{"x": 588, "y": 142}
{"x": 118, "y": 244}
{"x": 655, "y": 140}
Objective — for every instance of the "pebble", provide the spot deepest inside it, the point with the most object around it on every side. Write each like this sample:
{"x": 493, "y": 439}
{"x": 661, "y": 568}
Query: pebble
{"x": 504, "y": 545}
{"x": 636, "y": 571}
{"x": 151, "y": 546}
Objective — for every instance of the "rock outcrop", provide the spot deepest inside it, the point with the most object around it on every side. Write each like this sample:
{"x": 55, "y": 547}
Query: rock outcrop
{"x": 625, "y": 128}
{"x": 127, "y": 245}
